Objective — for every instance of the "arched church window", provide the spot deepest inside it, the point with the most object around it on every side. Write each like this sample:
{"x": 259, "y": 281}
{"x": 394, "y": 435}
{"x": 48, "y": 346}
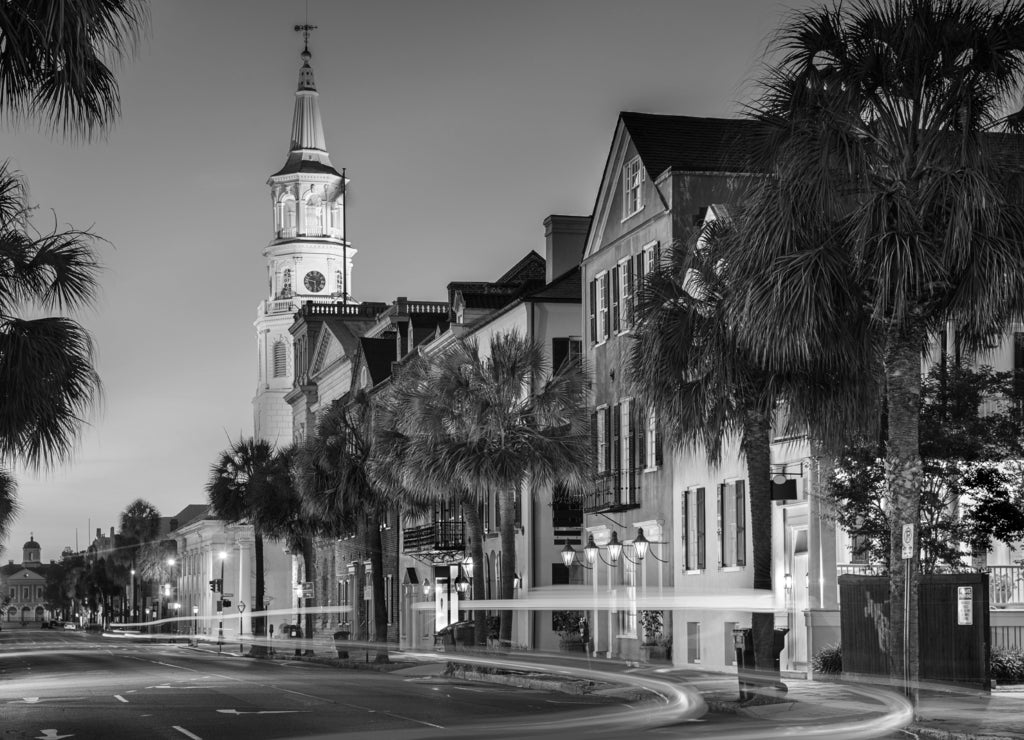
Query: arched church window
{"x": 339, "y": 283}
{"x": 286, "y": 284}
{"x": 286, "y": 218}
{"x": 280, "y": 359}
{"x": 313, "y": 225}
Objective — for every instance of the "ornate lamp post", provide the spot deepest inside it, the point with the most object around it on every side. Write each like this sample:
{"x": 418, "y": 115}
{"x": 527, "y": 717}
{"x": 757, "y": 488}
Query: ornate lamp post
{"x": 220, "y": 604}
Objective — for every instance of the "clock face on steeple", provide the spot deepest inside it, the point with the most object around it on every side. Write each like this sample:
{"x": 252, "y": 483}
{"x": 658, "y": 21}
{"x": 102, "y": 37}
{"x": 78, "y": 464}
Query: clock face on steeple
{"x": 314, "y": 281}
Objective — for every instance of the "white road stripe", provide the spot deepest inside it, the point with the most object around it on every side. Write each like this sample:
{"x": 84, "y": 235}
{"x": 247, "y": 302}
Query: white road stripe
{"x": 186, "y": 733}
{"x": 120, "y": 698}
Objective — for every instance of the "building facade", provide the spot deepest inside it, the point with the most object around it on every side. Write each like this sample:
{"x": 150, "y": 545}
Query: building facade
{"x": 23, "y": 587}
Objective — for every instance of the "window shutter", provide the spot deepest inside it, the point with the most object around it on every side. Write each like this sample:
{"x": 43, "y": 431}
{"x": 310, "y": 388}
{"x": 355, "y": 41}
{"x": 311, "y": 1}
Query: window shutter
{"x": 741, "y": 523}
{"x": 656, "y": 253}
{"x": 721, "y": 526}
{"x": 631, "y": 307}
{"x": 634, "y": 432}
{"x": 616, "y": 323}
{"x": 607, "y": 303}
{"x": 686, "y": 529}
{"x": 593, "y": 312}
{"x": 616, "y": 437}
{"x": 607, "y": 447}
{"x": 593, "y": 437}
{"x": 701, "y": 536}
{"x": 559, "y": 353}
{"x": 641, "y": 442}
{"x": 657, "y": 444}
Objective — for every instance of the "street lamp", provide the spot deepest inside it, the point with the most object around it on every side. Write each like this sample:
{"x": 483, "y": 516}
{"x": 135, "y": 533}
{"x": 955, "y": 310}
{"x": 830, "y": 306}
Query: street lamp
{"x": 131, "y": 604}
{"x": 195, "y": 621}
{"x": 241, "y": 608}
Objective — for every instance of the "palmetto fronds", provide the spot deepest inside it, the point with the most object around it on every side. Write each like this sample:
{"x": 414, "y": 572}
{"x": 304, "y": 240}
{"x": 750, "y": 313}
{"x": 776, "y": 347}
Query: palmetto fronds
{"x": 57, "y": 59}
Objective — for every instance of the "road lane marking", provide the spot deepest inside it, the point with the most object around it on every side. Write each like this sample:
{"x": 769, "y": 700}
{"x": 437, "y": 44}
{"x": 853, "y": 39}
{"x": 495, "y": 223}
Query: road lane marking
{"x": 120, "y": 698}
{"x": 51, "y": 734}
{"x": 263, "y": 711}
{"x": 186, "y": 733}
{"x": 396, "y": 716}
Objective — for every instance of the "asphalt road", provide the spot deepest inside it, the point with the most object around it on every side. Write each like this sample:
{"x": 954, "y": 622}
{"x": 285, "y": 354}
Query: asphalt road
{"x": 57, "y": 684}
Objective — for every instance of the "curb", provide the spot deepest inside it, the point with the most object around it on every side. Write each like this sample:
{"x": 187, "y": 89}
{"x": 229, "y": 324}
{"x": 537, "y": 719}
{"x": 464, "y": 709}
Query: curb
{"x": 936, "y": 734}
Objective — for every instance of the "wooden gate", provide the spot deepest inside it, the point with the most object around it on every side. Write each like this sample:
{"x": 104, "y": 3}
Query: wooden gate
{"x": 954, "y": 626}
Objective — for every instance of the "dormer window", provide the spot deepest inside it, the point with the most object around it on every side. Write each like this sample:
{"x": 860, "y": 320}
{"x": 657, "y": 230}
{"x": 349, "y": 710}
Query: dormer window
{"x": 632, "y": 176}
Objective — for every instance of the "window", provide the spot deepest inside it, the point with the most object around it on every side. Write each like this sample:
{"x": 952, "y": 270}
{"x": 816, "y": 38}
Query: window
{"x": 280, "y": 359}
{"x": 693, "y": 642}
{"x": 565, "y": 349}
{"x": 693, "y": 529}
{"x": 339, "y": 283}
{"x": 389, "y": 597}
{"x": 732, "y": 537}
{"x": 286, "y": 284}
{"x": 652, "y": 441}
{"x": 602, "y": 307}
{"x": 626, "y": 301}
{"x": 632, "y": 176}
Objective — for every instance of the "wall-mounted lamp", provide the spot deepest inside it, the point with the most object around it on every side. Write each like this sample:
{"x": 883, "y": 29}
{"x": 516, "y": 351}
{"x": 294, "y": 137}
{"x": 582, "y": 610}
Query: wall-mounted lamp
{"x": 614, "y": 549}
{"x": 788, "y": 581}
{"x": 426, "y": 587}
{"x": 569, "y": 554}
{"x": 642, "y": 546}
{"x": 517, "y": 582}
{"x": 461, "y": 583}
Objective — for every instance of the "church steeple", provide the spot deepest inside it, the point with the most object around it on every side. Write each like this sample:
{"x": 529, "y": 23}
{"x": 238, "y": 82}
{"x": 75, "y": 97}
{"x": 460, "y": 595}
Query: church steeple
{"x": 308, "y": 148}
{"x": 309, "y": 258}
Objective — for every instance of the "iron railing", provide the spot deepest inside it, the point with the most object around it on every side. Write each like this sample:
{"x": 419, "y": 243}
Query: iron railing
{"x": 1005, "y": 585}
{"x": 434, "y": 536}
{"x": 614, "y": 490}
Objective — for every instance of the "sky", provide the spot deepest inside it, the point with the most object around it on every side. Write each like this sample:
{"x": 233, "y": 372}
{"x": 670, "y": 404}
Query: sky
{"x": 462, "y": 124}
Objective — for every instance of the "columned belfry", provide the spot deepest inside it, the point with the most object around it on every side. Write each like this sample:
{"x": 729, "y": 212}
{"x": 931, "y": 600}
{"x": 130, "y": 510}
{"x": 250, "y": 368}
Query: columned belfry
{"x": 308, "y": 257}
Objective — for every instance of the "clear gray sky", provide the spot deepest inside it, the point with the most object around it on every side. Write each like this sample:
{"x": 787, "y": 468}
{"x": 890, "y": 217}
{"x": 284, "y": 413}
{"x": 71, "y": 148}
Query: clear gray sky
{"x": 462, "y": 124}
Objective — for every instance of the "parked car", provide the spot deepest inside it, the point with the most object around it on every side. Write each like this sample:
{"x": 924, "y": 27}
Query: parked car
{"x": 44, "y": 625}
{"x": 70, "y": 626}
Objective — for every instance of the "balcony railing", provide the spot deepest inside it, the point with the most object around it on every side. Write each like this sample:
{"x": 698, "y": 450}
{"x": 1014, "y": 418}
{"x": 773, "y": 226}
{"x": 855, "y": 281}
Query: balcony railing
{"x": 434, "y": 536}
{"x": 614, "y": 490}
{"x": 860, "y": 569}
{"x": 1006, "y": 585}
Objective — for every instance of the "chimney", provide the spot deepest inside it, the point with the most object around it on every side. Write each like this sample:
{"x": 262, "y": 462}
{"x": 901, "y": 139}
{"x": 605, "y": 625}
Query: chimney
{"x": 564, "y": 237}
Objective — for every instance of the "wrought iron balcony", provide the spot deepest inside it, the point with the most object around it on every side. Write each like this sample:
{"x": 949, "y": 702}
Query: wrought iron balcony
{"x": 614, "y": 490}
{"x": 434, "y": 537}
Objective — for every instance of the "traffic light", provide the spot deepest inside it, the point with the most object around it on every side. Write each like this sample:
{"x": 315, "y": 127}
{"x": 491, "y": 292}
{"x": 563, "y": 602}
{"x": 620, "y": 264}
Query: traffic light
{"x": 213, "y": 585}
{"x": 217, "y": 585}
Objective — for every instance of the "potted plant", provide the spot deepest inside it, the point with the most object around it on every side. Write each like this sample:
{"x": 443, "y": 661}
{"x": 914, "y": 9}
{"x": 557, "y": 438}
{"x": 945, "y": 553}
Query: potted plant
{"x": 653, "y": 645}
{"x": 568, "y": 626}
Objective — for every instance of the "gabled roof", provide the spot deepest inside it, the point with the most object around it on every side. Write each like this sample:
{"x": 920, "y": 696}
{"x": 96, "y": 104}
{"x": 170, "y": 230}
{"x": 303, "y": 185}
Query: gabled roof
{"x": 566, "y": 288}
{"x": 530, "y": 267}
{"x": 693, "y": 144}
{"x": 378, "y": 354}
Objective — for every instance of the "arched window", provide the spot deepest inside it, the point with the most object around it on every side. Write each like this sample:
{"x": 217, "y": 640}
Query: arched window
{"x": 339, "y": 283}
{"x": 313, "y": 225}
{"x": 286, "y": 216}
{"x": 286, "y": 284}
{"x": 280, "y": 359}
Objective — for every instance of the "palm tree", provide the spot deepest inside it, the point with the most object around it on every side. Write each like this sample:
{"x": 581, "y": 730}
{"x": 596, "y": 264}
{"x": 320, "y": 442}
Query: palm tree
{"x": 391, "y": 466}
{"x": 8, "y": 504}
{"x": 889, "y": 211}
{"x": 236, "y": 484}
{"x": 140, "y": 523}
{"x": 278, "y": 511}
{"x": 56, "y": 58}
{"x": 338, "y": 489}
{"x": 686, "y": 363}
{"x": 490, "y": 423}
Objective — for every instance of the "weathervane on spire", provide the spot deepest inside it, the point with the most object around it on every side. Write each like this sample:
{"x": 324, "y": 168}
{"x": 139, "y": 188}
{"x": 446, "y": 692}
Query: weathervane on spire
{"x": 305, "y": 28}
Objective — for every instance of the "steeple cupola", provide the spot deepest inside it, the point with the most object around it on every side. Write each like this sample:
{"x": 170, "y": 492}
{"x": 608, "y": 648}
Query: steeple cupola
{"x": 308, "y": 148}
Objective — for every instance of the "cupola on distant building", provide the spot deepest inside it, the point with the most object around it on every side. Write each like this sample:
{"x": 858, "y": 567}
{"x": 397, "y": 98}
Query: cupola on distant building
{"x": 308, "y": 258}
{"x": 23, "y": 586}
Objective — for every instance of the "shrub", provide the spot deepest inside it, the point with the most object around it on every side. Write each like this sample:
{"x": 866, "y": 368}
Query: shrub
{"x": 1008, "y": 665}
{"x": 828, "y": 660}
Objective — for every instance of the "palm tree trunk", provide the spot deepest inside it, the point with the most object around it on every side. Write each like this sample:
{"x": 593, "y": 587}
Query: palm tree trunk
{"x": 757, "y": 450}
{"x": 903, "y": 479}
{"x": 507, "y": 509}
{"x": 374, "y": 544}
{"x": 259, "y": 623}
{"x": 475, "y": 532}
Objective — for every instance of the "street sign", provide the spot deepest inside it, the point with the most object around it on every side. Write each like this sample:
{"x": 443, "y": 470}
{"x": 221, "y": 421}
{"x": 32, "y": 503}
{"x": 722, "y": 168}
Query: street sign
{"x": 227, "y": 594}
{"x": 908, "y": 541}
{"x": 965, "y": 605}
